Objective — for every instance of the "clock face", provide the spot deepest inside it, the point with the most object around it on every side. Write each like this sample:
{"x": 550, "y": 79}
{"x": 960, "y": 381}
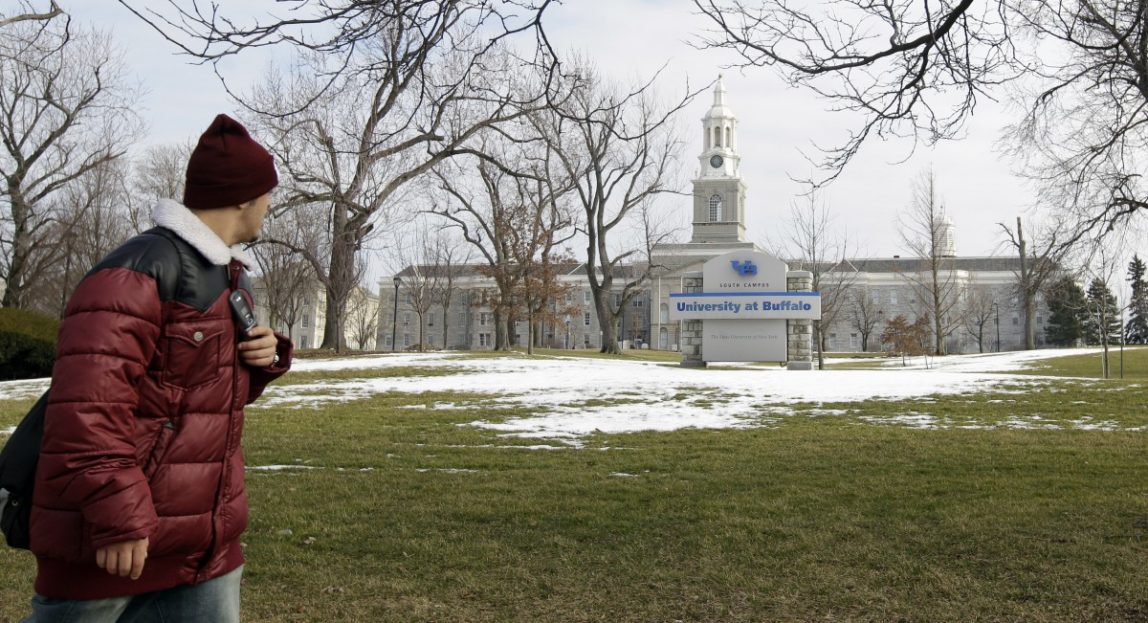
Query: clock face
{"x": 716, "y": 161}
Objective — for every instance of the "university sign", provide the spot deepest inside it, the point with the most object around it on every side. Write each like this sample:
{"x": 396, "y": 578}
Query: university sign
{"x": 746, "y": 306}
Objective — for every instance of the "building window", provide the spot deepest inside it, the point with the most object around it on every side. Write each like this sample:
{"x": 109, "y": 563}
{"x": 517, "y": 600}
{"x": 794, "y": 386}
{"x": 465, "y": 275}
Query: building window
{"x": 586, "y": 297}
{"x": 430, "y": 339}
{"x": 406, "y": 318}
{"x": 1040, "y": 319}
{"x": 728, "y": 143}
{"x": 715, "y": 208}
{"x": 305, "y": 341}
{"x": 586, "y": 318}
{"x": 664, "y": 313}
{"x": 638, "y": 301}
{"x": 1015, "y": 321}
{"x": 484, "y": 340}
{"x": 306, "y": 320}
{"x": 483, "y": 319}
{"x": 586, "y": 340}
{"x": 406, "y": 339}
{"x": 430, "y": 320}
{"x": 717, "y": 137}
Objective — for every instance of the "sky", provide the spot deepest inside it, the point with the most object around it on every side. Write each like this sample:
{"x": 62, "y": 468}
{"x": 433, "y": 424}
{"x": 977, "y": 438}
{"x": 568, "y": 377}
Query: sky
{"x": 630, "y": 40}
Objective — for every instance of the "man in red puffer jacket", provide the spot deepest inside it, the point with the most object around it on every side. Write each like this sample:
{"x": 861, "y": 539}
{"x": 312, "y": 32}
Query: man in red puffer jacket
{"x": 139, "y": 500}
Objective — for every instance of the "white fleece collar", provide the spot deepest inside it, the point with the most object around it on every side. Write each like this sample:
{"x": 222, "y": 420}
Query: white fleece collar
{"x": 176, "y": 217}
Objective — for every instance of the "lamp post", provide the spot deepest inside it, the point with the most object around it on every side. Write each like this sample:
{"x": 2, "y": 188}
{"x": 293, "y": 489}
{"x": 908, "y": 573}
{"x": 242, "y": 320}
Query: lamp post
{"x": 395, "y": 314}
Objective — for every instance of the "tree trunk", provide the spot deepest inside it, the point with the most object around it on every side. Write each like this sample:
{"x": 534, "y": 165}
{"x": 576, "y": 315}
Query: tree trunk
{"x": 340, "y": 281}
{"x": 14, "y": 280}
{"x": 501, "y": 329}
{"x": 939, "y": 348}
{"x": 1027, "y": 293}
{"x": 819, "y": 339}
{"x": 332, "y": 329}
{"x": 530, "y": 331}
{"x": 445, "y": 317}
{"x": 422, "y": 348}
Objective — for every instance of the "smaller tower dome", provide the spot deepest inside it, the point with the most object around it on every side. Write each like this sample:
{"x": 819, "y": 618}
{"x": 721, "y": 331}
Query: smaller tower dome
{"x": 946, "y": 238}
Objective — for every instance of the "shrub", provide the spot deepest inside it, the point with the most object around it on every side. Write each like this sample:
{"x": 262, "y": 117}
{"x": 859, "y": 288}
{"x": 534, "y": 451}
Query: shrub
{"x": 27, "y": 344}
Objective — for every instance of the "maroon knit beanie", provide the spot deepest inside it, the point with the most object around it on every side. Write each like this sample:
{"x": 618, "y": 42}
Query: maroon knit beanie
{"x": 227, "y": 167}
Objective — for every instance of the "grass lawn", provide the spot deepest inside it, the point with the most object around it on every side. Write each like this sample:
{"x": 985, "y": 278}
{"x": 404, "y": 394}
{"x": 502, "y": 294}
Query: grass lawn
{"x": 1135, "y": 365}
{"x": 407, "y": 515}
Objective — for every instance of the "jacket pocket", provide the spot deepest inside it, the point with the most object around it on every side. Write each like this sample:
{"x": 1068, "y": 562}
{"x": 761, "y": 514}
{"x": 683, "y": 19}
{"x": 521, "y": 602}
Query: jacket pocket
{"x": 159, "y": 448}
{"x": 191, "y": 354}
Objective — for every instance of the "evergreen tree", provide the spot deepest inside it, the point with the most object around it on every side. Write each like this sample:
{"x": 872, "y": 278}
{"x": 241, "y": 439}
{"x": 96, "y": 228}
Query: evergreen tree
{"x": 1067, "y": 310}
{"x": 1102, "y": 325}
{"x": 1136, "y": 332}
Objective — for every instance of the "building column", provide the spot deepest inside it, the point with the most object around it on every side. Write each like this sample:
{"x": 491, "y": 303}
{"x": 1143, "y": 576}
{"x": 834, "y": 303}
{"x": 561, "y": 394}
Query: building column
{"x": 799, "y": 332}
{"x": 691, "y": 338}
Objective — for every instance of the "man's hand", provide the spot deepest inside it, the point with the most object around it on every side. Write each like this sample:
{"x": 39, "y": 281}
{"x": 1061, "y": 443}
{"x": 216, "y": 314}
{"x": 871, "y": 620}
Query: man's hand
{"x": 123, "y": 559}
{"x": 258, "y": 350}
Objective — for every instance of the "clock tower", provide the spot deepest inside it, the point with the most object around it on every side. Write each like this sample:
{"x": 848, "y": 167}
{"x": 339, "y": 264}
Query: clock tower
{"x": 719, "y": 194}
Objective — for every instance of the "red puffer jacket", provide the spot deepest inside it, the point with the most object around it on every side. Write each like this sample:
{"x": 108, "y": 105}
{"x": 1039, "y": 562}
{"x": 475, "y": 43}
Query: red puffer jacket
{"x": 142, "y": 434}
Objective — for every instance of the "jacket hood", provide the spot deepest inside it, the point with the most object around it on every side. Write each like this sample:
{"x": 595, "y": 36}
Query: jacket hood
{"x": 175, "y": 216}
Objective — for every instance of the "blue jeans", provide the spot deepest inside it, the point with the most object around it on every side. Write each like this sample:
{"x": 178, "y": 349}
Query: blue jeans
{"x": 216, "y": 601}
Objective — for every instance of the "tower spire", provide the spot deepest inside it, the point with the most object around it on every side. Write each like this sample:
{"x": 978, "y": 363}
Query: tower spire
{"x": 719, "y": 194}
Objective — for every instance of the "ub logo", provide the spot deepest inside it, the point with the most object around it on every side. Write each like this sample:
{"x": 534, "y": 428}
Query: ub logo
{"x": 745, "y": 269}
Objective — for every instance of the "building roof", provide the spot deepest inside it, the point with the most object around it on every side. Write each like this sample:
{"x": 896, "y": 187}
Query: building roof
{"x": 996, "y": 263}
{"x": 457, "y": 271}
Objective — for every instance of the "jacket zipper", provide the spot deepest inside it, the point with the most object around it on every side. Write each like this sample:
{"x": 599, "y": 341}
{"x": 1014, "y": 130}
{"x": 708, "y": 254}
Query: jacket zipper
{"x": 233, "y": 278}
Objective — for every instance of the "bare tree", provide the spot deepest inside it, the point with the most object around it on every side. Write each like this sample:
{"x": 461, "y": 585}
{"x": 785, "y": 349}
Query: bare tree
{"x": 354, "y": 150}
{"x": 865, "y": 314}
{"x": 980, "y": 310}
{"x": 814, "y": 247}
{"x": 398, "y": 36}
{"x": 158, "y": 173}
{"x": 549, "y": 226}
{"x": 925, "y": 231}
{"x": 288, "y": 281}
{"x": 88, "y": 223}
{"x": 1038, "y": 265}
{"x": 908, "y": 69}
{"x": 622, "y": 153}
{"x": 447, "y": 256}
{"x": 1103, "y": 312}
{"x": 64, "y": 111}
{"x": 363, "y": 318}
{"x": 920, "y": 69}
{"x": 491, "y": 217}
{"x": 30, "y": 13}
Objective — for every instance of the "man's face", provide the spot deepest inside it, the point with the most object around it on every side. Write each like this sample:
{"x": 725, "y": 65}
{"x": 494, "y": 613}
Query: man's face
{"x": 254, "y": 212}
